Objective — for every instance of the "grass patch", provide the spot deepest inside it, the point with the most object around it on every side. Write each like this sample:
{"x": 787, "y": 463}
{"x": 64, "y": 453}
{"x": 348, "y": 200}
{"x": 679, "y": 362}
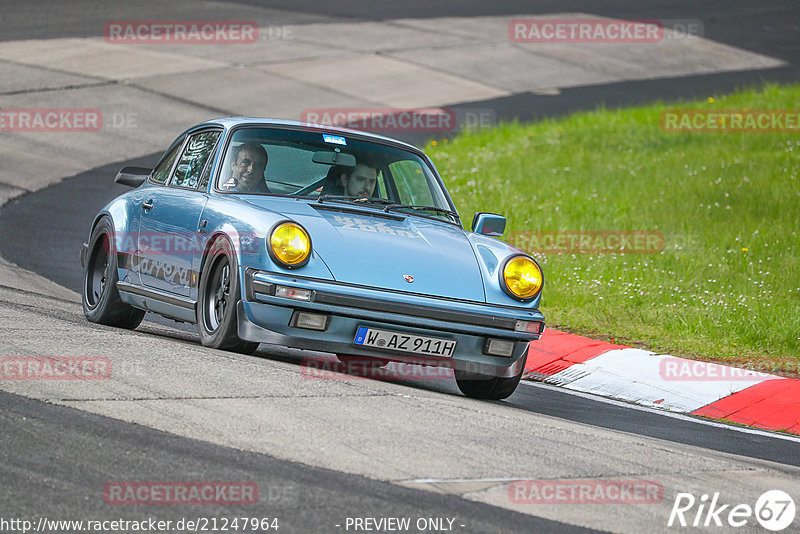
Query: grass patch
{"x": 725, "y": 287}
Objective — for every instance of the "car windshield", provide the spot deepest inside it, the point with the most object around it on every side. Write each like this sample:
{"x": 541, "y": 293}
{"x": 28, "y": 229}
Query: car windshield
{"x": 331, "y": 168}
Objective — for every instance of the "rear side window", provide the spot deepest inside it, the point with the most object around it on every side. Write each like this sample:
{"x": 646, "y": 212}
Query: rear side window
{"x": 198, "y": 149}
{"x": 161, "y": 172}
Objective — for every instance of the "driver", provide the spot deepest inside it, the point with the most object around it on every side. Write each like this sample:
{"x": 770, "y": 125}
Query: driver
{"x": 360, "y": 181}
{"x": 247, "y": 169}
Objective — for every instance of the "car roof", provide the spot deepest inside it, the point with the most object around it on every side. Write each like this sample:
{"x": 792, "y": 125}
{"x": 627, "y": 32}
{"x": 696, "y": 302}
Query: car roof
{"x": 231, "y": 122}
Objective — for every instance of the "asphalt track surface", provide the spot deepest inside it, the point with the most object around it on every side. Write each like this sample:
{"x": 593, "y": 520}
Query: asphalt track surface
{"x": 59, "y": 458}
{"x": 79, "y": 452}
{"x": 769, "y": 29}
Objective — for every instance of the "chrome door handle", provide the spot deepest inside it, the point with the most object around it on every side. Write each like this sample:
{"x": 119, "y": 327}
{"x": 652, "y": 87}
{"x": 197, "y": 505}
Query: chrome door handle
{"x": 147, "y": 205}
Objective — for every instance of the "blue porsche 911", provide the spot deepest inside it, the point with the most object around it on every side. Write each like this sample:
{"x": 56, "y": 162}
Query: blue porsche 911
{"x": 320, "y": 238}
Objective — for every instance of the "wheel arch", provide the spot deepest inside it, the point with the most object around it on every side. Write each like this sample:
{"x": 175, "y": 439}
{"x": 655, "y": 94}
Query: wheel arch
{"x": 213, "y": 238}
{"x": 96, "y": 221}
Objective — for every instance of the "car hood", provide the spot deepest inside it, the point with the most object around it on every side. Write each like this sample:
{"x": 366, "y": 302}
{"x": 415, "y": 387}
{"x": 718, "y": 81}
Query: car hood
{"x": 388, "y": 250}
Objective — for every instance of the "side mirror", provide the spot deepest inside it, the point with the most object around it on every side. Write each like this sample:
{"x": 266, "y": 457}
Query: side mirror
{"x": 489, "y": 224}
{"x": 132, "y": 176}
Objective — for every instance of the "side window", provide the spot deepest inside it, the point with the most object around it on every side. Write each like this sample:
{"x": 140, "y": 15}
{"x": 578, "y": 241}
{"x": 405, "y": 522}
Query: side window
{"x": 161, "y": 171}
{"x": 412, "y": 184}
{"x": 194, "y": 158}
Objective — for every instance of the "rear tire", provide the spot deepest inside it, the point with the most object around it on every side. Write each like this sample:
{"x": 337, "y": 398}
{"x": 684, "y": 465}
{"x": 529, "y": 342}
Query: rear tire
{"x": 478, "y": 386}
{"x": 218, "y": 296}
{"x": 101, "y": 301}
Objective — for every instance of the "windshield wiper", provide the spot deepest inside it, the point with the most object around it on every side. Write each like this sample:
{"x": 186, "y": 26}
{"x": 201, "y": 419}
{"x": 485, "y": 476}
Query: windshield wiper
{"x": 334, "y": 197}
{"x": 357, "y": 200}
{"x": 450, "y": 213}
{"x": 390, "y": 205}
{"x": 374, "y": 200}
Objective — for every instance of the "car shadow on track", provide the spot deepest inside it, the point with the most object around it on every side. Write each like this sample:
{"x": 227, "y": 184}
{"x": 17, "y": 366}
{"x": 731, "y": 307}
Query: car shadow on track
{"x": 314, "y": 365}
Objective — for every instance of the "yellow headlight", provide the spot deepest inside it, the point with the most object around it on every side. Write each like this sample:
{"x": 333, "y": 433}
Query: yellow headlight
{"x": 523, "y": 277}
{"x": 290, "y": 244}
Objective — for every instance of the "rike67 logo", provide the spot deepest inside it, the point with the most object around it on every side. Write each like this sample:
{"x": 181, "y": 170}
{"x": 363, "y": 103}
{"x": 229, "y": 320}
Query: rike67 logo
{"x": 774, "y": 510}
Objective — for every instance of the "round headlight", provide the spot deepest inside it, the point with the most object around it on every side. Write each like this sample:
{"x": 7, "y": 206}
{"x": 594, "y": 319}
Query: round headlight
{"x": 522, "y": 277}
{"x": 290, "y": 244}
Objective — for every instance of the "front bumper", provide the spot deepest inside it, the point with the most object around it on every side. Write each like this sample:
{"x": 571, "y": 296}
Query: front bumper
{"x": 266, "y": 318}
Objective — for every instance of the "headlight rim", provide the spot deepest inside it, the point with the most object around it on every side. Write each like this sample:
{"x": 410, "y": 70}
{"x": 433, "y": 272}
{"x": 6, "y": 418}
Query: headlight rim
{"x": 274, "y": 257}
{"x": 505, "y": 287}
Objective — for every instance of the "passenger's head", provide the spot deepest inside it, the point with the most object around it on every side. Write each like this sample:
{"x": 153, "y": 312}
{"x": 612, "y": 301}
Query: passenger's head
{"x": 359, "y": 181}
{"x": 249, "y": 163}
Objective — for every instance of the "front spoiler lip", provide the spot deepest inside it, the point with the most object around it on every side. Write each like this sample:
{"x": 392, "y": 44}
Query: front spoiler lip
{"x": 252, "y": 332}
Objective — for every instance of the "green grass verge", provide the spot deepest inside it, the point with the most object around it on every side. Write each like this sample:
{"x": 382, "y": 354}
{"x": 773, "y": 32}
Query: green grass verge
{"x": 725, "y": 287}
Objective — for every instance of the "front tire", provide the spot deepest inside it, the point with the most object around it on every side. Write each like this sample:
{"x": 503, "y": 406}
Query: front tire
{"x": 101, "y": 301}
{"x": 478, "y": 386}
{"x": 218, "y": 297}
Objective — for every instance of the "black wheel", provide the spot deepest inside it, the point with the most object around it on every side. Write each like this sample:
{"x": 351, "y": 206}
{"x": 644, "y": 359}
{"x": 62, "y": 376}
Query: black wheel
{"x": 101, "y": 301}
{"x": 217, "y": 299}
{"x": 478, "y": 386}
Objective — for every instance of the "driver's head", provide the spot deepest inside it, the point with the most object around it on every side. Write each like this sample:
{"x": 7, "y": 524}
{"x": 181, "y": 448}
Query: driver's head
{"x": 360, "y": 180}
{"x": 249, "y": 163}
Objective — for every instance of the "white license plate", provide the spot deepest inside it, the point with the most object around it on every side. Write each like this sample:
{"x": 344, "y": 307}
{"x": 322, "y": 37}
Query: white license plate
{"x": 384, "y": 339}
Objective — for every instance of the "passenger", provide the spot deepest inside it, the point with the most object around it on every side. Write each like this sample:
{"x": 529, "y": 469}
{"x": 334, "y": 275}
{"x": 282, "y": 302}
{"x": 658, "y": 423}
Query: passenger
{"x": 247, "y": 169}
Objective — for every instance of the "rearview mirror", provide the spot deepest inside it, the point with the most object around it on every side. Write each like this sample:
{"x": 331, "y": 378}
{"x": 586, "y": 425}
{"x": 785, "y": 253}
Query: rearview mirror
{"x": 334, "y": 158}
{"x": 489, "y": 224}
{"x": 132, "y": 176}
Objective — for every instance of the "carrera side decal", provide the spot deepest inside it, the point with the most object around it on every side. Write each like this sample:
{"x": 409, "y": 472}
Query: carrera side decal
{"x": 156, "y": 268}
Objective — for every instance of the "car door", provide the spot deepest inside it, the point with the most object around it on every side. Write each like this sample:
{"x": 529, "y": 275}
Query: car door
{"x": 129, "y": 250}
{"x": 168, "y": 230}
